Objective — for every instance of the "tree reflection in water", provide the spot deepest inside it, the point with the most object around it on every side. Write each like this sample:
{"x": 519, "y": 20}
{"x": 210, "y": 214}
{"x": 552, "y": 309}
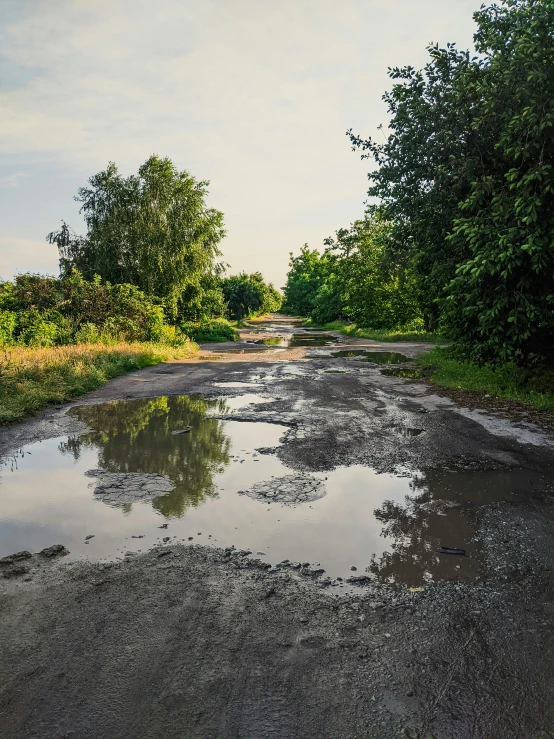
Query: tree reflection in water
{"x": 135, "y": 436}
{"x": 420, "y": 526}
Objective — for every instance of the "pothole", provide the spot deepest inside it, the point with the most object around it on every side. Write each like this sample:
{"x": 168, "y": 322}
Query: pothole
{"x": 295, "y": 340}
{"x": 236, "y": 384}
{"x": 131, "y": 479}
{"x": 407, "y": 432}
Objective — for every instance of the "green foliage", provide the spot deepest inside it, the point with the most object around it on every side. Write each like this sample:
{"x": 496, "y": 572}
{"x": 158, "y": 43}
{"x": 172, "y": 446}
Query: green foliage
{"x": 152, "y": 230}
{"x": 372, "y": 288}
{"x": 204, "y": 304}
{"x": 32, "y": 378}
{"x": 466, "y": 179}
{"x": 36, "y": 331}
{"x": 45, "y": 311}
{"x": 501, "y": 301}
{"x": 424, "y": 168}
{"x": 356, "y": 279}
{"x": 8, "y": 323}
{"x": 215, "y": 330}
{"x": 89, "y": 333}
{"x": 248, "y": 295}
{"x": 410, "y": 332}
{"x": 525, "y": 385}
{"x": 307, "y": 274}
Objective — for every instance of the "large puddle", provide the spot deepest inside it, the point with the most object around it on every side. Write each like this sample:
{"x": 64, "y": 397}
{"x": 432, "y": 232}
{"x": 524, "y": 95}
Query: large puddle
{"x": 301, "y": 339}
{"x": 170, "y": 469}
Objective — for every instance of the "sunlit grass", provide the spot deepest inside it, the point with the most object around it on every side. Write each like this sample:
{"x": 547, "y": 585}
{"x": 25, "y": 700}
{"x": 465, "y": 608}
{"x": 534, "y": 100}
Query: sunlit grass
{"x": 33, "y": 378}
{"x": 351, "y": 329}
{"x": 534, "y": 387}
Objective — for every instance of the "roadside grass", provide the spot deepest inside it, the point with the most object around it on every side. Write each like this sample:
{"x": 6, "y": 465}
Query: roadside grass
{"x": 252, "y": 320}
{"x": 531, "y": 387}
{"x": 351, "y": 329}
{"x": 33, "y": 378}
{"x": 216, "y": 329}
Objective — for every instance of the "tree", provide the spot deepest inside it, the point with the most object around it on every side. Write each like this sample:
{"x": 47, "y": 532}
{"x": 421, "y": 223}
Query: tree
{"x": 367, "y": 284}
{"x": 358, "y": 278}
{"x": 153, "y": 230}
{"x": 308, "y": 272}
{"x": 247, "y": 295}
{"x": 466, "y": 177}
{"x": 425, "y": 165}
{"x": 501, "y": 301}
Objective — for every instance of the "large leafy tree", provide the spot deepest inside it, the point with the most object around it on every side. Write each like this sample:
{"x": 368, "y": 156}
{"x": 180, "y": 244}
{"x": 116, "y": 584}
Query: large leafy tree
{"x": 369, "y": 282}
{"x": 152, "y": 229}
{"x": 501, "y": 302}
{"x": 425, "y": 165}
{"x": 247, "y": 295}
{"x": 307, "y": 274}
{"x": 466, "y": 177}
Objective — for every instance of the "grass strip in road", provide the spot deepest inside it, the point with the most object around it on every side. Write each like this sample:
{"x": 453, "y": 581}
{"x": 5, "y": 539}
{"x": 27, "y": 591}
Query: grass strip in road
{"x": 33, "y": 378}
{"x": 351, "y": 329}
{"x": 533, "y": 387}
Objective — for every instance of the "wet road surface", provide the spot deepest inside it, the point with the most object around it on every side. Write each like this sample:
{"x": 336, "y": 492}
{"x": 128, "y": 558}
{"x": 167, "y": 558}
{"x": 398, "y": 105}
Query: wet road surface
{"x": 285, "y": 542}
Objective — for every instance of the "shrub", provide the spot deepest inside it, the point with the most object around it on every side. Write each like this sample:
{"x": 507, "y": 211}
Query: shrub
{"x": 249, "y": 295}
{"x": 89, "y": 333}
{"x": 8, "y": 322}
{"x": 50, "y": 311}
{"x": 170, "y": 335}
{"x": 217, "y": 329}
{"x": 36, "y": 330}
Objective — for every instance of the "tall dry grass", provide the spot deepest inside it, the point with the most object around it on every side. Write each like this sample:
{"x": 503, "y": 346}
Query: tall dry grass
{"x": 33, "y": 378}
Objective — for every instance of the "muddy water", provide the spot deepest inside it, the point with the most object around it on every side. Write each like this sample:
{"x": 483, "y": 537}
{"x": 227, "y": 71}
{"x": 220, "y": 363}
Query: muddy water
{"x": 289, "y": 334}
{"x": 293, "y": 340}
{"x": 171, "y": 468}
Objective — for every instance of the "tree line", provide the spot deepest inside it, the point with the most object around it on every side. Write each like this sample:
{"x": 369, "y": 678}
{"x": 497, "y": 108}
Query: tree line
{"x": 461, "y": 238}
{"x": 147, "y": 268}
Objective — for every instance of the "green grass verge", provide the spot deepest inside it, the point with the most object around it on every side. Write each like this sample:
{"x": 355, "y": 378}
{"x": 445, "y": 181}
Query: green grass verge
{"x": 216, "y": 329}
{"x": 350, "y": 329}
{"x": 33, "y": 378}
{"x": 531, "y": 387}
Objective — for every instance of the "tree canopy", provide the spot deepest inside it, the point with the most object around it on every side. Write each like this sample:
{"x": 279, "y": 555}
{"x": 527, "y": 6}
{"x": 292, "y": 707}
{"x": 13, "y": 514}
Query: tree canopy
{"x": 355, "y": 279}
{"x": 307, "y": 274}
{"x": 248, "y": 294}
{"x": 153, "y": 230}
{"x": 465, "y": 184}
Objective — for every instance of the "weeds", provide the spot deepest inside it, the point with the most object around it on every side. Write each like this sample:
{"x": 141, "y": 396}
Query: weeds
{"x": 398, "y": 334}
{"x": 33, "y": 378}
{"x": 532, "y": 387}
{"x": 217, "y": 329}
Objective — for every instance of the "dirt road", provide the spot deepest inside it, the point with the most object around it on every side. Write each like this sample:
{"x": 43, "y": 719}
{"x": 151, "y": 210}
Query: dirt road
{"x": 201, "y": 641}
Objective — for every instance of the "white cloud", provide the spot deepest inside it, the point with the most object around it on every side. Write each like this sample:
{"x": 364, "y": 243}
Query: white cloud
{"x": 12, "y": 180}
{"x": 254, "y": 96}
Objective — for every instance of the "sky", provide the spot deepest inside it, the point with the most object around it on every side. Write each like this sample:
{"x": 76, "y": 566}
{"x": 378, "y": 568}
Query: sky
{"x": 253, "y": 95}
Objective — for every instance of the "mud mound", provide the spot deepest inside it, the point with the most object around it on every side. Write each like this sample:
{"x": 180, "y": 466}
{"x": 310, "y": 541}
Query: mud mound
{"x": 288, "y": 490}
{"x": 121, "y": 488}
